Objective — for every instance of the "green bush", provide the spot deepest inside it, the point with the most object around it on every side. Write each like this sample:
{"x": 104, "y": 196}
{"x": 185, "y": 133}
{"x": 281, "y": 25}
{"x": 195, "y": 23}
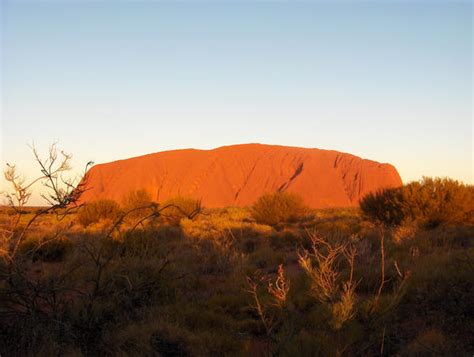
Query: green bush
{"x": 429, "y": 202}
{"x": 96, "y": 211}
{"x": 278, "y": 208}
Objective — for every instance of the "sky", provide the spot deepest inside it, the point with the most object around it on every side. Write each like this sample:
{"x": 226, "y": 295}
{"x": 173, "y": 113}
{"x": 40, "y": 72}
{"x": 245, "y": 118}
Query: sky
{"x": 389, "y": 81}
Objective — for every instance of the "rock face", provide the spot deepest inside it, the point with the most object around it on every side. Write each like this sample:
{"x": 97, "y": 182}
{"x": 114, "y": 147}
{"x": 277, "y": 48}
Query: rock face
{"x": 238, "y": 175}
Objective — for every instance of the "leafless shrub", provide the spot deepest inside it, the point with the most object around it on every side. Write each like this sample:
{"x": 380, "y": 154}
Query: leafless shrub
{"x": 269, "y": 312}
{"x": 322, "y": 268}
{"x": 322, "y": 265}
{"x": 279, "y": 290}
{"x": 24, "y": 296}
{"x": 344, "y": 310}
{"x": 62, "y": 193}
{"x": 268, "y": 322}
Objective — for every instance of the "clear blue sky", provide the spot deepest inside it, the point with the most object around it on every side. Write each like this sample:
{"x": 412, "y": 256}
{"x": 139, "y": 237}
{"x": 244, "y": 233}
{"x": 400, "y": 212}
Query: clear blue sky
{"x": 385, "y": 80}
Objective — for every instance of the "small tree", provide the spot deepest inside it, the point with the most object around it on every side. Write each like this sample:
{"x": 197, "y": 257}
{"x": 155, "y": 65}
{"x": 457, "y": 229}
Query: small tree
{"x": 279, "y": 207}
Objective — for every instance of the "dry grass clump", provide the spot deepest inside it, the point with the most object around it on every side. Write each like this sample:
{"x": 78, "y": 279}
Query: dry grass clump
{"x": 98, "y": 210}
{"x": 278, "y": 208}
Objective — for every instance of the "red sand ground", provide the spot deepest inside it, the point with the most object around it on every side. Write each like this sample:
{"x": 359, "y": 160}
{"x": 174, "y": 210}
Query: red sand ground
{"x": 238, "y": 175}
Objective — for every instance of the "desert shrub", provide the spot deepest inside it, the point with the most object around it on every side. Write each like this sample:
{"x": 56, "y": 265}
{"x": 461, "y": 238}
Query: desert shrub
{"x": 151, "y": 241}
{"x": 46, "y": 249}
{"x": 180, "y": 207}
{"x": 286, "y": 239}
{"x": 385, "y": 206}
{"x": 175, "y": 334}
{"x": 250, "y": 242}
{"x": 96, "y": 211}
{"x": 428, "y": 342}
{"x": 279, "y": 207}
{"x": 219, "y": 255}
{"x": 436, "y": 201}
{"x": 403, "y": 233}
{"x": 265, "y": 257}
{"x": 170, "y": 344}
{"x": 135, "y": 200}
{"x": 429, "y": 203}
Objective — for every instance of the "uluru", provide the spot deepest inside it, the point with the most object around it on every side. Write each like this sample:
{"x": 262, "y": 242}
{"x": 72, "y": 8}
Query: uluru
{"x": 238, "y": 175}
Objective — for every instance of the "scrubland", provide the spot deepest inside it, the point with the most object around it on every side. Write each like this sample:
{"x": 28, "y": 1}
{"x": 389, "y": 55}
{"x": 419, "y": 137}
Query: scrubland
{"x": 137, "y": 277}
{"x": 97, "y": 281}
